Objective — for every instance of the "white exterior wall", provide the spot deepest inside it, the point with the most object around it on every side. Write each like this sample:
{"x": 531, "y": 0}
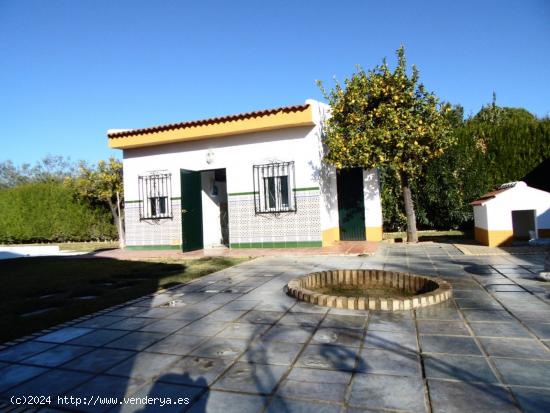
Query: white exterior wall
{"x": 520, "y": 197}
{"x": 373, "y": 205}
{"x": 237, "y": 154}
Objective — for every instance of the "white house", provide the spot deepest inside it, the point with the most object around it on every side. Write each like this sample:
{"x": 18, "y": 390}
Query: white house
{"x": 249, "y": 180}
{"x": 514, "y": 211}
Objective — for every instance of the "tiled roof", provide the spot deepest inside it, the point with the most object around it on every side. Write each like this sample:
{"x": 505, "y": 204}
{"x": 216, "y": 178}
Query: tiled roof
{"x": 209, "y": 121}
{"x": 489, "y": 195}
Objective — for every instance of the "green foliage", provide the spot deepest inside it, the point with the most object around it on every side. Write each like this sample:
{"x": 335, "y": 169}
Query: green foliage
{"x": 99, "y": 183}
{"x": 48, "y": 211}
{"x": 495, "y": 146}
{"x": 51, "y": 168}
{"x": 382, "y": 118}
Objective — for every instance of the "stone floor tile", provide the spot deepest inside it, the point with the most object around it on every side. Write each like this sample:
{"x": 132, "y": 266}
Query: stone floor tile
{"x": 158, "y": 312}
{"x": 165, "y": 326}
{"x": 437, "y": 312}
{"x": 247, "y": 331}
{"x": 515, "y": 348}
{"x": 532, "y": 400}
{"x": 289, "y": 334}
{"x": 251, "y": 378}
{"x": 319, "y": 376}
{"x": 343, "y": 336}
{"x": 541, "y": 330}
{"x": 203, "y": 328}
{"x": 241, "y": 305}
{"x": 449, "y": 344}
{"x": 225, "y": 402}
{"x": 99, "y": 321}
{"x": 98, "y": 338}
{"x": 218, "y": 347}
{"x": 455, "y": 328}
{"x": 51, "y": 383}
{"x": 381, "y": 361}
{"x": 487, "y": 315}
{"x": 301, "y": 319}
{"x": 281, "y": 404}
{"x": 195, "y": 371}
{"x": 344, "y": 321}
{"x": 328, "y": 356}
{"x": 272, "y": 352}
{"x": 57, "y": 355}
{"x": 136, "y": 341}
{"x": 388, "y": 392}
{"x": 143, "y": 366}
{"x": 21, "y": 351}
{"x": 131, "y": 323}
{"x": 98, "y": 360}
{"x": 334, "y": 392}
{"x": 63, "y": 335}
{"x": 391, "y": 340}
{"x": 460, "y": 397}
{"x": 399, "y": 322}
{"x": 16, "y": 374}
{"x": 524, "y": 372}
{"x": 492, "y": 329}
{"x": 463, "y": 368}
{"x": 261, "y": 317}
{"x": 224, "y": 315}
{"x": 178, "y": 344}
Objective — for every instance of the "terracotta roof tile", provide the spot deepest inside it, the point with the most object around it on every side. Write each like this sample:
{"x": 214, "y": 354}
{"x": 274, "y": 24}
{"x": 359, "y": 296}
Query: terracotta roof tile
{"x": 209, "y": 121}
{"x": 489, "y": 195}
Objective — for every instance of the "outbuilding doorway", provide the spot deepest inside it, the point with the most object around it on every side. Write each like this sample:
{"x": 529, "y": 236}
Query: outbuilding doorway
{"x": 523, "y": 221}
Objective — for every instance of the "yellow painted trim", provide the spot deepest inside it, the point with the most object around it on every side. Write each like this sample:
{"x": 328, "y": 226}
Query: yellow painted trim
{"x": 330, "y": 236}
{"x": 373, "y": 233}
{"x": 493, "y": 238}
{"x": 190, "y": 133}
{"x": 544, "y": 232}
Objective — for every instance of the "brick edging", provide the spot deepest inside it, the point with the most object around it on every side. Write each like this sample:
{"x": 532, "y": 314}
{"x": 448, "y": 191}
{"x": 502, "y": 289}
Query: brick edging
{"x": 299, "y": 288}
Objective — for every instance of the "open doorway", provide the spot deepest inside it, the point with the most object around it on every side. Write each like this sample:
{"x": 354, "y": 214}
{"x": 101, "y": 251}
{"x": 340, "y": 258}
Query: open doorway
{"x": 214, "y": 208}
{"x": 523, "y": 222}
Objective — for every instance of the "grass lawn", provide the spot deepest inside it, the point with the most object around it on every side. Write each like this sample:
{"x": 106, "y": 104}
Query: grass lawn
{"x": 40, "y": 292}
{"x": 433, "y": 235}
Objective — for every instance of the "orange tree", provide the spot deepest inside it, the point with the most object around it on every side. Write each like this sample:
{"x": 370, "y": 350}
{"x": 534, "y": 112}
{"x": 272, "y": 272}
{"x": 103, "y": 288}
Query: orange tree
{"x": 385, "y": 118}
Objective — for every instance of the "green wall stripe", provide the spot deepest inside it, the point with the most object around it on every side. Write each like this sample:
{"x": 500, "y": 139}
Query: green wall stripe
{"x": 152, "y": 247}
{"x": 241, "y": 193}
{"x": 311, "y": 188}
{"x": 288, "y": 244}
{"x": 132, "y": 202}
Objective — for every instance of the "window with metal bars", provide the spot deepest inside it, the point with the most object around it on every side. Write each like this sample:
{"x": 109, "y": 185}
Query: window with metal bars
{"x": 155, "y": 196}
{"x": 274, "y": 185}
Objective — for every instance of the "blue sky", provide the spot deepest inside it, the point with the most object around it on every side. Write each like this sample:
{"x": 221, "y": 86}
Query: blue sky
{"x": 70, "y": 70}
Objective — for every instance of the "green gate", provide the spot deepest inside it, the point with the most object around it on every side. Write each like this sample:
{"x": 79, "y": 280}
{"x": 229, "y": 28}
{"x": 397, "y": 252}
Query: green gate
{"x": 191, "y": 210}
{"x": 351, "y": 206}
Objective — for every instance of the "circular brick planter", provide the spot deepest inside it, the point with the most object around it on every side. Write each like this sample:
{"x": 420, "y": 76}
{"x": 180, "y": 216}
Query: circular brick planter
{"x": 427, "y": 290}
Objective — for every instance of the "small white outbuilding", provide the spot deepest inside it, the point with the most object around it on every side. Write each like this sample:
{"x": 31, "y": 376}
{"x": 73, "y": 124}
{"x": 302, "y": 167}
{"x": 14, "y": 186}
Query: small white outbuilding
{"x": 512, "y": 212}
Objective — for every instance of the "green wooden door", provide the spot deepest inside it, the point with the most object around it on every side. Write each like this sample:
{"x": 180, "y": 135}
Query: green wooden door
{"x": 191, "y": 210}
{"x": 351, "y": 207}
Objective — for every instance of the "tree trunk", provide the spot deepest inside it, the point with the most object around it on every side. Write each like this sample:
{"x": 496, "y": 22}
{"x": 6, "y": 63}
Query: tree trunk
{"x": 121, "y": 230}
{"x": 412, "y": 236}
{"x": 115, "y": 212}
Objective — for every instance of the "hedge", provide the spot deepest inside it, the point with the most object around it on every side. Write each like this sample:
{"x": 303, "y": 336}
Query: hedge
{"x": 49, "y": 212}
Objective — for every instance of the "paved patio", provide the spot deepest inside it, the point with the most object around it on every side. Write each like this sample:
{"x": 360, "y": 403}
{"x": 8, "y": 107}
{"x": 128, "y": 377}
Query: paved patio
{"x": 237, "y": 343}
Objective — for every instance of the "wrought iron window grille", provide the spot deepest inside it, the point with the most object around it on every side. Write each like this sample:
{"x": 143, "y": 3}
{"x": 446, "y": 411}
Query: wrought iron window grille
{"x": 274, "y": 185}
{"x": 155, "y": 196}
